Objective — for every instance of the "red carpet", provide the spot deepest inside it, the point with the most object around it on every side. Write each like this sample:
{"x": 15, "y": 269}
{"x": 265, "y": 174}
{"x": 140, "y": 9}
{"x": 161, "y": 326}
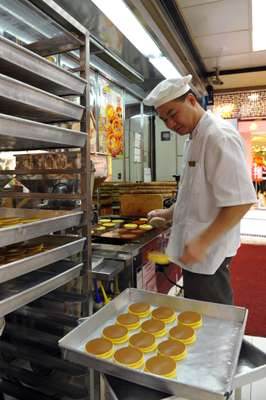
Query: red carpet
{"x": 249, "y": 284}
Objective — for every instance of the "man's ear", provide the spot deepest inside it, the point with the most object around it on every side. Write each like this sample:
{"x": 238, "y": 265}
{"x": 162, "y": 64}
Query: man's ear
{"x": 191, "y": 98}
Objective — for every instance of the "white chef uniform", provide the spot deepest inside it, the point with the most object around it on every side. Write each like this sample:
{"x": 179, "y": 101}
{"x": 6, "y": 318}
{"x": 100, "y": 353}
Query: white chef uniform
{"x": 215, "y": 176}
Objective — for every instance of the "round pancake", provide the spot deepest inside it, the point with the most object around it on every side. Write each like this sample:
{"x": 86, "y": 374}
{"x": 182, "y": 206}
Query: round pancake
{"x": 172, "y": 348}
{"x": 130, "y": 226}
{"x": 190, "y": 318}
{"x": 153, "y": 326}
{"x": 145, "y": 227}
{"x": 164, "y": 314}
{"x": 99, "y": 347}
{"x": 127, "y": 320}
{"x": 129, "y": 356}
{"x": 115, "y": 333}
{"x": 183, "y": 333}
{"x": 161, "y": 365}
{"x": 139, "y": 308}
{"x": 143, "y": 341}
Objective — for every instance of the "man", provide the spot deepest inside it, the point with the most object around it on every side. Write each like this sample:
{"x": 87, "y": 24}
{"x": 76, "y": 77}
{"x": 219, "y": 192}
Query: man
{"x": 215, "y": 192}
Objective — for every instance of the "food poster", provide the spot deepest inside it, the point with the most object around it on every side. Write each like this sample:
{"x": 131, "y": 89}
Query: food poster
{"x": 93, "y": 119}
{"x": 111, "y": 127}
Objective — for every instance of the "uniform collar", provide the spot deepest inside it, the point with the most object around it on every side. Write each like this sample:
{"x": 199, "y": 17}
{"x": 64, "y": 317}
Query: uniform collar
{"x": 199, "y": 124}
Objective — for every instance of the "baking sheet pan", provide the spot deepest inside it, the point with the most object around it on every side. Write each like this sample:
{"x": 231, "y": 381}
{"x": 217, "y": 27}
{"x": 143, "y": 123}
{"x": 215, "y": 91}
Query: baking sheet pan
{"x": 25, "y": 101}
{"x": 49, "y": 221}
{"x": 207, "y": 372}
{"x": 27, "y": 288}
{"x": 21, "y": 63}
{"x": 23, "y": 134}
{"x": 55, "y": 248}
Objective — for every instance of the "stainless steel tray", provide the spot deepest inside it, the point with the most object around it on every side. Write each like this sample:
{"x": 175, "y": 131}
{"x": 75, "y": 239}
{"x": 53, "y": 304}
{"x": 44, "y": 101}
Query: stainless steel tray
{"x": 22, "y": 64}
{"x": 207, "y": 372}
{"x": 50, "y": 221}
{"x": 60, "y": 247}
{"x": 25, "y": 101}
{"x": 251, "y": 367}
{"x": 22, "y": 134}
{"x": 23, "y": 290}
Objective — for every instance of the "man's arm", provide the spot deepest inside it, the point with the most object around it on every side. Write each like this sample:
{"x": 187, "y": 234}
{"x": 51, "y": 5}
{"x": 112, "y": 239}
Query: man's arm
{"x": 227, "y": 218}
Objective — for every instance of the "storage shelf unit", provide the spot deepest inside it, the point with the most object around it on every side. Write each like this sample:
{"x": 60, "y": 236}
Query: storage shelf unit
{"x": 30, "y": 88}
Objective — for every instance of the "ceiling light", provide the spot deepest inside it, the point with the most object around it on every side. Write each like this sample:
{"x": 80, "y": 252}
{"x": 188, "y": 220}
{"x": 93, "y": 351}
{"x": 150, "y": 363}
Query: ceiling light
{"x": 123, "y": 18}
{"x": 258, "y": 25}
{"x": 165, "y": 67}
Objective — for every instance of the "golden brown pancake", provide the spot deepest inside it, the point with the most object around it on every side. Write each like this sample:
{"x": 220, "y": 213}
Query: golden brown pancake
{"x": 161, "y": 365}
{"x": 128, "y": 320}
{"x": 99, "y": 347}
{"x": 190, "y": 318}
{"x": 143, "y": 341}
{"x": 153, "y": 326}
{"x": 163, "y": 313}
{"x": 181, "y": 332}
{"x": 116, "y": 333}
{"x": 172, "y": 348}
{"x": 139, "y": 308}
{"x": 129, "y": 356}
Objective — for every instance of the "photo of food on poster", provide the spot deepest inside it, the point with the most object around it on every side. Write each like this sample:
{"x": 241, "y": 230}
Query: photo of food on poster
{"x": 111, "y": 129}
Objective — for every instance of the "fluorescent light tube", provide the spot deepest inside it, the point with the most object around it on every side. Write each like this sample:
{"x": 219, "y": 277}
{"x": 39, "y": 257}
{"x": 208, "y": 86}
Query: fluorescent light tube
{"x": 165, "y": 67}
{"x": 124, "y": 19}
{"x": 258, "y": 25}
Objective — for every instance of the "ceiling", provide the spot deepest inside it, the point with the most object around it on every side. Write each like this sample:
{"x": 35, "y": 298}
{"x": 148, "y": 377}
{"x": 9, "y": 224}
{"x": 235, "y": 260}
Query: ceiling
{"x": 221, "y": 33}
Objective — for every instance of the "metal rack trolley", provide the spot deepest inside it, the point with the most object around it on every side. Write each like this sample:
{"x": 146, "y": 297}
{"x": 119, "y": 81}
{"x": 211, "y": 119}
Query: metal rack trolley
{"x": 31, "y": 90}
{"x": 30, "y": 101}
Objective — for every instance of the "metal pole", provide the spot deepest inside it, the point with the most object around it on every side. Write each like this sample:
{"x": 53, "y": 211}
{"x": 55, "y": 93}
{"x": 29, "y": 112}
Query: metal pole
{"x": 86, "y": 175}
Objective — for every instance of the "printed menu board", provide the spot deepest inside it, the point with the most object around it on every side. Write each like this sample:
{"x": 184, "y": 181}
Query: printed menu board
{"x": 111, "y": 129}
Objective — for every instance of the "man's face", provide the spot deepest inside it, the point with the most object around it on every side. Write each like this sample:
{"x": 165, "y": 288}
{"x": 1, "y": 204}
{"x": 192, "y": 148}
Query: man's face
{"x": 179, "y": 116}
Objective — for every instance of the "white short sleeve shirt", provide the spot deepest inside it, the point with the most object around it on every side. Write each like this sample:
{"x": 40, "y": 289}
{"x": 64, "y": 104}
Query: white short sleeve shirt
{"x": 215, "y": 176}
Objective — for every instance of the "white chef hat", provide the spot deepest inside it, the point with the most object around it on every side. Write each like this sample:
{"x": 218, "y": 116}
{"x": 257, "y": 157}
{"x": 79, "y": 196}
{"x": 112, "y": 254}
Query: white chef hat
{"x": 168, "y": 90}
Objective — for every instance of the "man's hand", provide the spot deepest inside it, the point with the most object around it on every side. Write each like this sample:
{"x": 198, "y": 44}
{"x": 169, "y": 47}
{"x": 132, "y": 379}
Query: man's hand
{"x": 165, "y": 213}
{"x": 194, "y": 251}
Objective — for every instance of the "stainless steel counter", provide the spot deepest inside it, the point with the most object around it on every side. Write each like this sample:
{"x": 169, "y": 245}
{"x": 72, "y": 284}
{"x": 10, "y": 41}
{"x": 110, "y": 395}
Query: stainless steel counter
{"x": 128, "y": 257}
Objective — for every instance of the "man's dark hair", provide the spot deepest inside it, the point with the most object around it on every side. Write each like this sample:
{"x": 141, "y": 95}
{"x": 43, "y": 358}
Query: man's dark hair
{"x": 184, "y": 96}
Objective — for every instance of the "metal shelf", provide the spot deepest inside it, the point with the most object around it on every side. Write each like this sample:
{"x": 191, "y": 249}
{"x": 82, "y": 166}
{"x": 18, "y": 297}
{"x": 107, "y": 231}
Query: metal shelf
{"x": 23, "y": 290}
{"x": 25, "y": 101}
{"x": 49, "y": 221}
{"x": 22, "y": 134}
{"x": 20, "y": 63}
{"x": 58, "y": 247}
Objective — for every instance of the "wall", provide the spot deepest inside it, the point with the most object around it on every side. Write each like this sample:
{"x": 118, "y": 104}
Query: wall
{"x": 168, "y": 154}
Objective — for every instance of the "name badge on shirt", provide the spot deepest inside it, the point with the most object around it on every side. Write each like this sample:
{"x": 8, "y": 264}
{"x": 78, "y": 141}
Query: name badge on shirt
{"x": 192, "y": 163}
